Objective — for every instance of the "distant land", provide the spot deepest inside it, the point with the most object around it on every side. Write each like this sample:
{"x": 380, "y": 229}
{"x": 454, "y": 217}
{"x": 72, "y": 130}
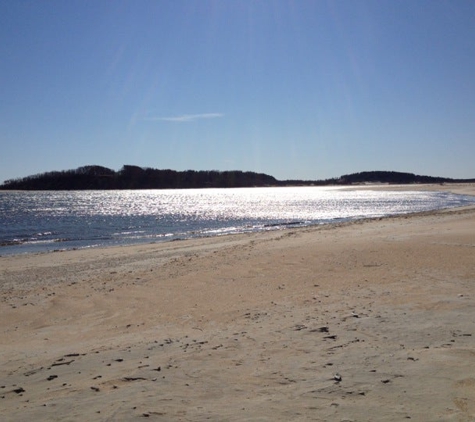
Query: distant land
{"x": 95, "y": 177}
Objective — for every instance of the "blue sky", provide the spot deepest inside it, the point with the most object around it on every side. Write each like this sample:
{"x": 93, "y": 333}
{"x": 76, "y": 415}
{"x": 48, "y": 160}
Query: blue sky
{"x": 295, "y": 89}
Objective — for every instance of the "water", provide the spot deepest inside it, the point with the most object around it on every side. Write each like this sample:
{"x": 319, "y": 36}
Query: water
{"x": 45, "y": 221}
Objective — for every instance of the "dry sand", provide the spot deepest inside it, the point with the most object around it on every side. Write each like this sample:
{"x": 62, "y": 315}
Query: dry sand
{"x": 370, "y": 321}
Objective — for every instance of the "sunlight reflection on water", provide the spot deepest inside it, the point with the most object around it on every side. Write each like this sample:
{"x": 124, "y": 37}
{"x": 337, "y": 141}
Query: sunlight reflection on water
{"x": 41, "y": 221}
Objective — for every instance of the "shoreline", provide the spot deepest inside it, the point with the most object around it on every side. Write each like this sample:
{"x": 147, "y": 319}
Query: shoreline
{"x": 366, "y": 320}
{"x": 282, "y": 229}
{"x": 467, "y": 189}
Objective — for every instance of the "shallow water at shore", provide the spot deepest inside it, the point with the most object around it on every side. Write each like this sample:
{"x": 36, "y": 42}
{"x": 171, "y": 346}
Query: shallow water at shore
{"x": 34, "y": 222}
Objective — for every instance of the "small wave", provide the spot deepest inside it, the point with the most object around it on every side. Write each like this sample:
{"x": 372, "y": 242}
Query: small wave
{"x": 34, "y": 241}
{"x": 219, "y": 231}
{"x": 46, "y": 241}
{"x": 285, "y": 224}
{"x": 14, "y": 242}
{"x": 127, "y": 233}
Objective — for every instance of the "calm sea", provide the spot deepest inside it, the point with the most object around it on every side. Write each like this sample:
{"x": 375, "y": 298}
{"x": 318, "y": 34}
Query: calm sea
{"x": 32, "y": 222}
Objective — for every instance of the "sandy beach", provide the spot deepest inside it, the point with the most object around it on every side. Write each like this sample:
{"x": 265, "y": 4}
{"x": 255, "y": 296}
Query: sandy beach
{"x": 367, "y": 321}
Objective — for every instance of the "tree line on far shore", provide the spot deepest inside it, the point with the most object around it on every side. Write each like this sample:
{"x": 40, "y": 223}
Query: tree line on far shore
{"x": 95, "y": 177}
{"x": 134, "y": 177}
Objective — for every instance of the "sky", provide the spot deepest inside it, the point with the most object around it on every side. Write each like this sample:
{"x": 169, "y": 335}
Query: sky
{"x": 296, "y": 89}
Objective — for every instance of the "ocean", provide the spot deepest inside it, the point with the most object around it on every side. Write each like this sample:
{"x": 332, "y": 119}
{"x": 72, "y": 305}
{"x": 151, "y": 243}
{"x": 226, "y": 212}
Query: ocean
{"x": 36, "y": 222}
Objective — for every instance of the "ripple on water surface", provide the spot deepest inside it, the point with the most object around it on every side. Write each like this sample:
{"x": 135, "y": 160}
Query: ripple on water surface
{"x": 45, "y": 221}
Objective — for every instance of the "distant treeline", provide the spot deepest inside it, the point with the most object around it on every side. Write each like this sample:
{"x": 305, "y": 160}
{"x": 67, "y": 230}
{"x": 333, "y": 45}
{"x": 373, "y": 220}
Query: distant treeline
{"x": 134, "y": 177}
{"x": 394, "y": 177}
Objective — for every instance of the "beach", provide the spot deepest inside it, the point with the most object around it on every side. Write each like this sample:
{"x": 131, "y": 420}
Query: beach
{"x": 365, "y": 321}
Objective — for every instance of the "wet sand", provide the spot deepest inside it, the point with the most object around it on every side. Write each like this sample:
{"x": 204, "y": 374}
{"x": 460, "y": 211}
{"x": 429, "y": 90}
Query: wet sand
{"x": 368, "y": 321}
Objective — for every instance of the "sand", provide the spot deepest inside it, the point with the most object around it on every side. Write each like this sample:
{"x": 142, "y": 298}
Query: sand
{"x": 369, "y": 321}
